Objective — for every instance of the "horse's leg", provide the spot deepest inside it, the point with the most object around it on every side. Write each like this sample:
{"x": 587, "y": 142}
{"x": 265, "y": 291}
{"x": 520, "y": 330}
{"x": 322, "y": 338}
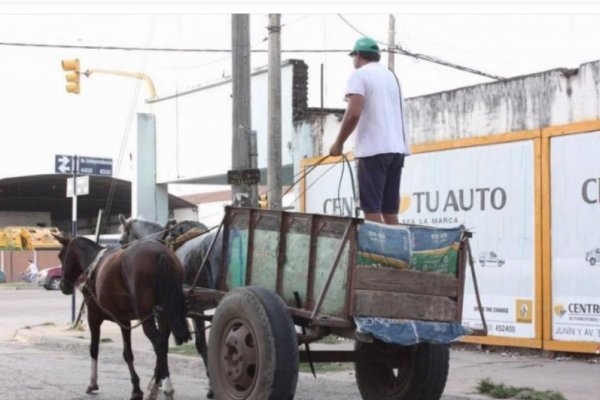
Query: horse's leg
{"x": 165, "y": 331}
{"x": 136, "y": 393}
{"x": 202, "y": 348}
{"x": 94, "y": 323}
{"x": 160, "y": 349}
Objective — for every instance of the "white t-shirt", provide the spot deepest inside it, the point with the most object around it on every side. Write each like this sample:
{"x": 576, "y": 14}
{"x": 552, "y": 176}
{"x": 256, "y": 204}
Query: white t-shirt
{"x": 380, "y": 128}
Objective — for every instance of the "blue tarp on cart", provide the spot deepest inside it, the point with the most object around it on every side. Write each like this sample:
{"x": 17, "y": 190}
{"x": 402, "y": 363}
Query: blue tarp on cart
{"x": 409, "y": 332}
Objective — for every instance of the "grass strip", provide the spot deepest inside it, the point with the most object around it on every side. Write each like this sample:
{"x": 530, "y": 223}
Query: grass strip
{"x": 501, "y": 391}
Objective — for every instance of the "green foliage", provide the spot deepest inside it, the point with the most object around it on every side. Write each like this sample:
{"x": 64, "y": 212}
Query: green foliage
{"x": 186, "y": 349}
{"x": 502, "y": 391}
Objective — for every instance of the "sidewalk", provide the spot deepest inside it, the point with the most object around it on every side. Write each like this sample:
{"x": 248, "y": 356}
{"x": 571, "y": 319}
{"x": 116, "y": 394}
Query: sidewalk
{"x": 576, "y": 377}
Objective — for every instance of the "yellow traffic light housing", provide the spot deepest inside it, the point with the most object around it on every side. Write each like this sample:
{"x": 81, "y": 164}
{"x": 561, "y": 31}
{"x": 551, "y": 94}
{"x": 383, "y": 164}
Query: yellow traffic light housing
{"x": 72, "y": 76}
{"x": 263, "y": 201}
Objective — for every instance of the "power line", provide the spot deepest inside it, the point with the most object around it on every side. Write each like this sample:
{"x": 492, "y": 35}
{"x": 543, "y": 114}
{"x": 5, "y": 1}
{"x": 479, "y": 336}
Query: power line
{"x": 398, "y": 50}
{"x": 164, "y": 49}
{"x": 436, "y": 60}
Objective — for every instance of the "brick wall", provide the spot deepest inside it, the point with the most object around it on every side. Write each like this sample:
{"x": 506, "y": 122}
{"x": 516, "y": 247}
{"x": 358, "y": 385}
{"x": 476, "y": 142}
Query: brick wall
{"x": 15, "y": 262}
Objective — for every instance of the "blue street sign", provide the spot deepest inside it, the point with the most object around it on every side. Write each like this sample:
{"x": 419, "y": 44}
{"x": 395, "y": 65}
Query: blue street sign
{"x": 95, "y": 166}
{"x": 87, "y": 165}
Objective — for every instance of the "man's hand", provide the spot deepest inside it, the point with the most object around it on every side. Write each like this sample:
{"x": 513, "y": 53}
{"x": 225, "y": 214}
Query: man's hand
{"x": 336, "y": 149}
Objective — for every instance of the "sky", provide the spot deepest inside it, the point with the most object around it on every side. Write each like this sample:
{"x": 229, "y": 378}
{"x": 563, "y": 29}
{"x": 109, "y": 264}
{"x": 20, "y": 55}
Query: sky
{"x": 38, "y": 119}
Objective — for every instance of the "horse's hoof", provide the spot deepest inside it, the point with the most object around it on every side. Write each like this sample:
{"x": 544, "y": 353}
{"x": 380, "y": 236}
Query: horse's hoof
{"x": 91, "y": 389}
{"x": 210, "y": 394}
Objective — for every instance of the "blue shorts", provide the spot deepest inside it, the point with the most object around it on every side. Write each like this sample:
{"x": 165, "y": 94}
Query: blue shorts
{"x": 379, "y": 183}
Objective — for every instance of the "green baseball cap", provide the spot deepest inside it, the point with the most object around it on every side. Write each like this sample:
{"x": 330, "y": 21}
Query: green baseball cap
{"x": 365, "y": 44}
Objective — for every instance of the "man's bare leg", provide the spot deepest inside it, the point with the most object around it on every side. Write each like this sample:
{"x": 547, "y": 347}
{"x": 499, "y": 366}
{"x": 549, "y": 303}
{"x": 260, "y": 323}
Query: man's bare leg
{"x": 390, "y": 219}
{"x": 375, "y": 217}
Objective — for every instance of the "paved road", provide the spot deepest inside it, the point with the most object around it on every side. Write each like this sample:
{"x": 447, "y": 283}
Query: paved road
{"x": 32, "y": 306}
{"x": 45, "y": 372}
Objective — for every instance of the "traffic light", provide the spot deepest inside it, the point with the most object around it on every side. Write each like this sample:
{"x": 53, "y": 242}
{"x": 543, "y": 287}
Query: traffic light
{"x": 72, "y": 76}
{"x": 263, "y": 201}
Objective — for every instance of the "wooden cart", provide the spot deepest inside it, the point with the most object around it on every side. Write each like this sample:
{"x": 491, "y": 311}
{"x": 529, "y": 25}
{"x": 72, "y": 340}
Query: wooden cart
{"x": 289, "y": 279}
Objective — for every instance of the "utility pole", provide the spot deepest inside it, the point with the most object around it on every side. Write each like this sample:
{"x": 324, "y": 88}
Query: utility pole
{"x": 274, "y": 120}
{"x": 241, "y": 135}
{"x": 391, "y": 41}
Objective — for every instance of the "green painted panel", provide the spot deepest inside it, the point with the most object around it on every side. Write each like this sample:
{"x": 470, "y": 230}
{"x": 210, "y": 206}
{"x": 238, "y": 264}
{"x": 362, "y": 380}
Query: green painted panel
{"x": 295, "y": 275}
{"x": 238, "y": 253}
{"x": 264, "y": 259}
{"x": 336, "y": 295}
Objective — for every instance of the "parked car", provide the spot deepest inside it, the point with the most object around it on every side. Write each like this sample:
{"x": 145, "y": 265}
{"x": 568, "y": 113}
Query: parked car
{"x": 50, "y": 278}
{"x": 593, "y": 256}
{"x": 490, "y": 258}
{"x": 110, "y": 240}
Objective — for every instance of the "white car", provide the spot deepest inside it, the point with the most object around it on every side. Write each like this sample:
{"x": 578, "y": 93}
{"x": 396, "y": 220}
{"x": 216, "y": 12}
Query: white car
{"x": 593, "y": 256}
{"x": 490, "y": 259}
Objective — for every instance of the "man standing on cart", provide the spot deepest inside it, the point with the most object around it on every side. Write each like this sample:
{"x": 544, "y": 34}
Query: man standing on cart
{"x": 375, "y": 110}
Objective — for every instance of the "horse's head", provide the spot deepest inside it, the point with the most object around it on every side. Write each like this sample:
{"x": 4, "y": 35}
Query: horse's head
{"x": 136, "y": 229}
{"x": 71, "y": 267}
{"x": 125, "y": 230}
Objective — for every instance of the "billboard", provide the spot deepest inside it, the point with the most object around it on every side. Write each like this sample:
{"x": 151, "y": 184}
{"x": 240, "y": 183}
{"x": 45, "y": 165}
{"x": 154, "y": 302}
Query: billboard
{"x": 575, "y": 241}
{"x": 489, "y": 190}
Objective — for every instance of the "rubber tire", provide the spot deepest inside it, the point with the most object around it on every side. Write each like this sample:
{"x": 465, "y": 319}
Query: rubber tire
{"x": 431, "y": 371}
{"x": 54, "y": 284}
{"x": 275, "y": 339}
{"x": 592, "y": 261}
{"x": 429, "y": 364}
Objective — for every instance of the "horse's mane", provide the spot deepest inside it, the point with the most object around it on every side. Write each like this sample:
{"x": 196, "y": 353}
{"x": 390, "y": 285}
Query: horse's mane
{"x": 89, "y": 243}
{"x": 142, "y": 221}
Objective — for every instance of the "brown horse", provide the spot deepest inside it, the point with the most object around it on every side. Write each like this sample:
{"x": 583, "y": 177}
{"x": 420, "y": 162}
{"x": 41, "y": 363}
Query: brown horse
{"x": 142, "y": 282}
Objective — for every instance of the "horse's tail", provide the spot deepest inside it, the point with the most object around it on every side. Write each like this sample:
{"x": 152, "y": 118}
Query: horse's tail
{"x": 172, "y": 300}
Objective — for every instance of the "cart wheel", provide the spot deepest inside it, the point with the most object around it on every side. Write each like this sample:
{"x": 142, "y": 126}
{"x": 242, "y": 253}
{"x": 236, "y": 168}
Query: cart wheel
{"x": 419, "y": 372}
{"x": 253, "y": 349}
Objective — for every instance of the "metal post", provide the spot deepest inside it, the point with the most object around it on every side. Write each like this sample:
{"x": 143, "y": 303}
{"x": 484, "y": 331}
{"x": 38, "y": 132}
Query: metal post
{"x": 391, "y": 39}
{"x": 98, "y": 225}
{"x": 274, "y": 120}
{"x": 241, "y": 117}
{"x": 74, "y": 226}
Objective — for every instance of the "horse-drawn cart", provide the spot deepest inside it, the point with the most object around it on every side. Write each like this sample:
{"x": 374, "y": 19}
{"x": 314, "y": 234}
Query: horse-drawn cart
{"x": 289, "y": 279}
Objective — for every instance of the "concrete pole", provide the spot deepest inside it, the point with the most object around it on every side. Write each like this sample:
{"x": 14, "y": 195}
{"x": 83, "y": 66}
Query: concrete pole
{"x": 74, "y": 226}
{"x": 274, "y": 120}
{"x": 242, "y": 123}
{"x": 391, "y": 40}
{"x": 148, "y": 199}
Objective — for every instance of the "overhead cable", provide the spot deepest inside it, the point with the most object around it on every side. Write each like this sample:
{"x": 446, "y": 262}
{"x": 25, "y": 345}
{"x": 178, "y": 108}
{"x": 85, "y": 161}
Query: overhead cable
{"x": 165, "y": 49}
{"x": 397, "y": 49}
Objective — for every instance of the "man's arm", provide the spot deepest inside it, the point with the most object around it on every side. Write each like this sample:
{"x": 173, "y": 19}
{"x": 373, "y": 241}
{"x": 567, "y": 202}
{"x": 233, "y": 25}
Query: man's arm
{"x": 355, "y": 106}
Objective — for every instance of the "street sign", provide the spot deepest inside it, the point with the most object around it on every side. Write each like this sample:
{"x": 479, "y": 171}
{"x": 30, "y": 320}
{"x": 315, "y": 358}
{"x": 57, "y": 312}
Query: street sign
{"x": 95, "y": 166}
{"x": 87, "y": 165}
{"x": 243, "y": 177}
{"x": 63, "y": 164}
{"x": 83, "y": 186}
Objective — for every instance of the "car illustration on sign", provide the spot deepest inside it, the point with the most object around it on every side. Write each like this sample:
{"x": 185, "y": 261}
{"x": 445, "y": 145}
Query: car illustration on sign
{"x": 593, "y": 256}
{"x": 490, "y": 259}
